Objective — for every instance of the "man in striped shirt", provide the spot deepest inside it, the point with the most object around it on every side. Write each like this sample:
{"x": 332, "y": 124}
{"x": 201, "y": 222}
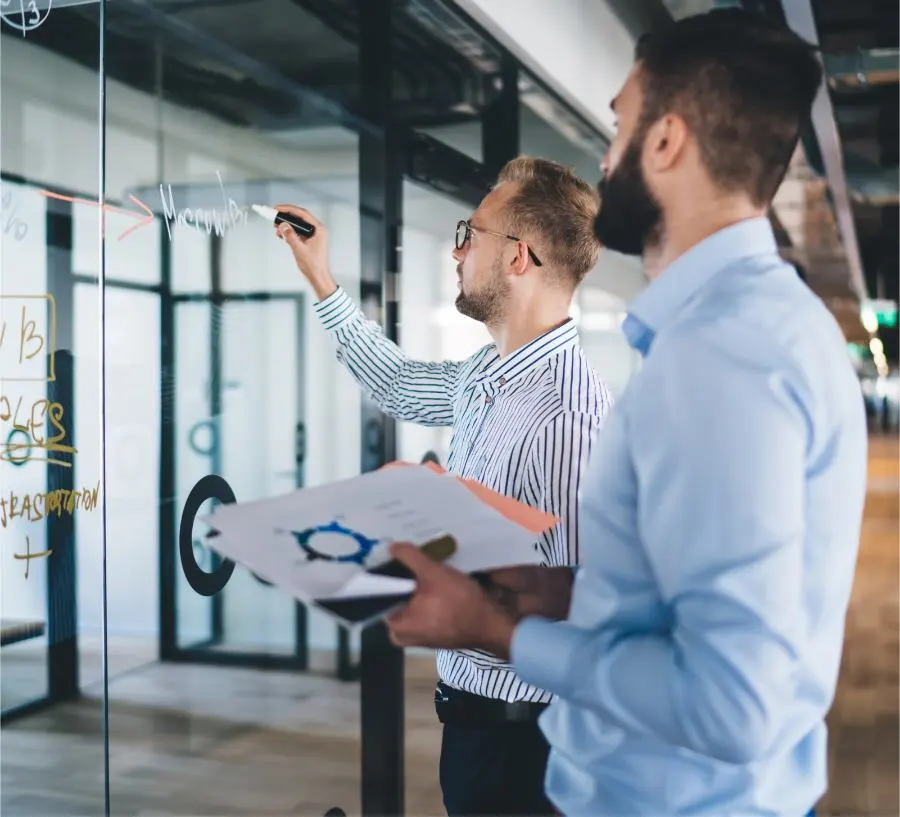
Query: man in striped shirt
{"x": 524, "y": 412}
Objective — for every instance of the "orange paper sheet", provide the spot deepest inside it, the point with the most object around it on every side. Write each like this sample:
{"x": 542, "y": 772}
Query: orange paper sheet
{"x": 531, "y": 519}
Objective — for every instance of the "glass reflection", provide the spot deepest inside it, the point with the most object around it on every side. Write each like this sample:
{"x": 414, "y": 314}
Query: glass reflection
{"x": 202, "y": 358}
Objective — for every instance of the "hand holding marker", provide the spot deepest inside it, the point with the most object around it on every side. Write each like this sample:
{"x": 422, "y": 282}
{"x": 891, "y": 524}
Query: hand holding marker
{"x": 303, "y": 228}
{"x": 308, "y": 239}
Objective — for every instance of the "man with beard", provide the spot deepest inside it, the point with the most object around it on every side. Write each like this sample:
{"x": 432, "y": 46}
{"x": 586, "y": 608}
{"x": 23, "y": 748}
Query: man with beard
{"x": 721, "y": 511}
{"x": 524, "y": 412}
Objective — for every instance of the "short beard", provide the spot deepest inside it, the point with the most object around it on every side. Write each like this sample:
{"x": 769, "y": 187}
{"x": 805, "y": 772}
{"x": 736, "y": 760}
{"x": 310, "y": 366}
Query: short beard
{"x": 630, "y": 219}
{"x": 488, "y": 305}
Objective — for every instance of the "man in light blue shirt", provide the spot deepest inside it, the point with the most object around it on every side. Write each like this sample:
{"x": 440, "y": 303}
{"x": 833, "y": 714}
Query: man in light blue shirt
{"x": 722, "y": 505}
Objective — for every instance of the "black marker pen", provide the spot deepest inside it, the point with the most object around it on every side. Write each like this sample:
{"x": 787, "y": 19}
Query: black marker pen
{"x": 303, "y": 228}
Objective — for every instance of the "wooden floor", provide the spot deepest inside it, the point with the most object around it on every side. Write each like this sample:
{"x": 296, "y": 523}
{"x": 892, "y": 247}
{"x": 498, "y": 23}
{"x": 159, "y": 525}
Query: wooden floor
{"x": 864, "y": 722}
{"x": 195, "y": 740}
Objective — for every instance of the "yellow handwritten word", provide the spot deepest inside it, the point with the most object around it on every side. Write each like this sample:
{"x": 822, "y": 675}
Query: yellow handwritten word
{"x": 28, "y": 555}
{"x": 34, "y": 507}
{"x": 27, "y": 341}
{"x": 29, "y": 421}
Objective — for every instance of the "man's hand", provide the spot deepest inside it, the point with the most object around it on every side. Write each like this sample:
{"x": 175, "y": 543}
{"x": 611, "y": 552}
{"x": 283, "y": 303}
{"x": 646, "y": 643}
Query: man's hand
{"x": 310, "y": 254}
{"x": 448, "y": 610}
{"x": 531, "y": 590}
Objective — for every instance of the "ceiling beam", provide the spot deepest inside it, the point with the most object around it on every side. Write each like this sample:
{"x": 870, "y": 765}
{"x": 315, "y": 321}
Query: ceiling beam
{"x": 799, "y": 16}
{"x": 195, "y": 38}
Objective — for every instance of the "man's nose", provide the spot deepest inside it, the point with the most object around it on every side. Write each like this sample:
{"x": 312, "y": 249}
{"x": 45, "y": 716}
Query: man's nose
{"x": 458, "y": 254}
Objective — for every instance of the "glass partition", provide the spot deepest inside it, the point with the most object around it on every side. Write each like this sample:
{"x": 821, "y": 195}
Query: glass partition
{"x": 182, "y": 345}
{"x": 430, "y": 326}
{"x": 24, "y": 467}
{"x": 51, "y": 483}
{"x": 159, "y": 354}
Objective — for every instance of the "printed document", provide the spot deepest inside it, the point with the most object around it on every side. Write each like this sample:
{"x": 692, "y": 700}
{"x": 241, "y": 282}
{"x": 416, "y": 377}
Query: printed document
{"x": 319, "y": 543}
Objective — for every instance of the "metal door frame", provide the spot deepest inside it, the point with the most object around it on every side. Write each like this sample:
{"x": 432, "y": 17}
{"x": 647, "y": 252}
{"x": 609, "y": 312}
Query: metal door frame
{"x": 202, "y": 651}
{"x": 61, "y": 584}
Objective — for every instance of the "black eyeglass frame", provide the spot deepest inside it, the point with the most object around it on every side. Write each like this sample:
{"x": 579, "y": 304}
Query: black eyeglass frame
{"x": 467, "y": 234}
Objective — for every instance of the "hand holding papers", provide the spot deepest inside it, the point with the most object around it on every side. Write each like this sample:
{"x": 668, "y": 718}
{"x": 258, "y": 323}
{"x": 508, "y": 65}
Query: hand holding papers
{"x": 321, "y": 544}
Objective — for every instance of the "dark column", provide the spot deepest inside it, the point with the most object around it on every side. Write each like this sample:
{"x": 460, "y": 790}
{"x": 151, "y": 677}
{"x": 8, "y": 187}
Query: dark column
{"x": 380, "y": 192}
{"x": 500, "y": 120}
{"x": 62, "y": 609}
{"x": 168, "y": 511}
{"x": 216, "y": 318}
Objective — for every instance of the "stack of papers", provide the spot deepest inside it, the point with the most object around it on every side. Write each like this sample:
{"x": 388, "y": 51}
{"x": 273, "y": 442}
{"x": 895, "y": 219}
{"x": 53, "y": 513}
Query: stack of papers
{"x": 319, "y": 544}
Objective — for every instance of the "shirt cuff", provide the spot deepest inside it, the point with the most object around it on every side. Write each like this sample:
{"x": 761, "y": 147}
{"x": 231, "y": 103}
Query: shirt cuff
{"x": 336, "y": 310}
{"x": 543, "y": 654}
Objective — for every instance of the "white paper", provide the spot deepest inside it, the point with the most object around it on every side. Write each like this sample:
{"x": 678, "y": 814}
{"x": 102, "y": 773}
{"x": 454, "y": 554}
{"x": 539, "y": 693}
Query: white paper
{"x": 412, "y": 504}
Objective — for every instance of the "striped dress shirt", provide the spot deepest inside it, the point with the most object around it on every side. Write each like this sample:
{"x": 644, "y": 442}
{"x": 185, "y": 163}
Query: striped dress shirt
{"x": 522, "y": 425}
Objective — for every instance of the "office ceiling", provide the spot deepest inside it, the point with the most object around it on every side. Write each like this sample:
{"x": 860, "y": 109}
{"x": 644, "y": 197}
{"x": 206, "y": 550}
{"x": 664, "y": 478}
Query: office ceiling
{"x": 859, "y": 41}
{"x": 837, "y": 212}
{"x": 850, "y": 158}
{"x": 288, "y": 68}
{"x": 240, "y": 59}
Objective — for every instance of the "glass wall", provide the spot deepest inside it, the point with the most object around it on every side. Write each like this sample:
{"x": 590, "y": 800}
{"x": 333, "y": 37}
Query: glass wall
{"x": 183, "y": 346}
{"x": 430, "y": 326}
{"x": 159, "y": 353}
{"x": 50, "y": 481}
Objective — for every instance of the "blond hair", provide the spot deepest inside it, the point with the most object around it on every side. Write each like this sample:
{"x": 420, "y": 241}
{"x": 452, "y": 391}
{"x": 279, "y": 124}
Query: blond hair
{"x": 556, "y": 206}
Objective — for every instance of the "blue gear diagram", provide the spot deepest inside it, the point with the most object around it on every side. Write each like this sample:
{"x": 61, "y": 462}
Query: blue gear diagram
{"x": 364, "y": 543}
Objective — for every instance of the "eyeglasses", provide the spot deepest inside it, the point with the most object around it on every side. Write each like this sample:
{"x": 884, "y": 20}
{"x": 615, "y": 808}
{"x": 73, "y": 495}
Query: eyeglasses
{"x": 464, "y": 233}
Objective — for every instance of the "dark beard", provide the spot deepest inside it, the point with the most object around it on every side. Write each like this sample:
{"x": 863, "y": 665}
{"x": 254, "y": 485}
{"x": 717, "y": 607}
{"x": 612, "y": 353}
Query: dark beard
{"x": 481, "y": 307}
{"x": 630, "y": 219}
{"x": 487, "y": 305}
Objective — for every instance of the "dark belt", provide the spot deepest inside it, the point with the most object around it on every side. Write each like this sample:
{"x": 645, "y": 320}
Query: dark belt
{"x": 458, "y": 708}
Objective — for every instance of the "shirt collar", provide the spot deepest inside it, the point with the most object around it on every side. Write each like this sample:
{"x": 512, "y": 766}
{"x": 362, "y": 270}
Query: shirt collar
{"x": 526, "y": 358}
{"x": 665, "y": 297}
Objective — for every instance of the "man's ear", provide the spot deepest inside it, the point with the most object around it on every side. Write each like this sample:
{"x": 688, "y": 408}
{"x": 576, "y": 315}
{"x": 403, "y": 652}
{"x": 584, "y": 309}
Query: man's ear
{"x": 666, "y": 142}
{"x": 518, "y": 260}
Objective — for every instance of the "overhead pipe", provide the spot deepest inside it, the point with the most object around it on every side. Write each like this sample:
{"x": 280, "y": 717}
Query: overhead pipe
{"x": 863, "y": 68}
{"x": 870, "y": 183}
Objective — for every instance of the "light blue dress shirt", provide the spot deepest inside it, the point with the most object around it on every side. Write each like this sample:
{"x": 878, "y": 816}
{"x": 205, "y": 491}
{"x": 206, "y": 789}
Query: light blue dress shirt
{"x": 721, "y": 514}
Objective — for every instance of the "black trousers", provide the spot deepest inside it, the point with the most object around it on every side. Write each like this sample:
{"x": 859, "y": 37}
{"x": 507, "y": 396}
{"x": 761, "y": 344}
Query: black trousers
{"x": 495, "y": 769}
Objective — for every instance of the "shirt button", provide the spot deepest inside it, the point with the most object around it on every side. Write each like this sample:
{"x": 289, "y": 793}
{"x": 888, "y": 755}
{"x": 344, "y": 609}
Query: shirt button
{"x": 502, "y": 381}
{"x": 488, "y": 399}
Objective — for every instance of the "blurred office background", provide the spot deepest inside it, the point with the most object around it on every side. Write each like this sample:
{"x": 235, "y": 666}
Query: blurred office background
{"x": 188, "y": 347}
